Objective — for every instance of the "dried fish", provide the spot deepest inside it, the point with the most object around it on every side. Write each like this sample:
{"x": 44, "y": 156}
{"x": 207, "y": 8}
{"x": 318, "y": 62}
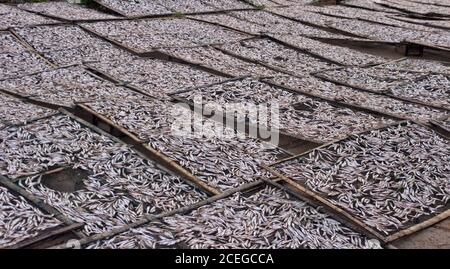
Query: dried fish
{"x": 64, "y": 87}
{"x": 361, "y": 98}
{"x": 417, "y": 65}
{"x": 341, "y": 55}
{"x": 214, "y": 153}
{"x": 431, "y": 89}
{"x": 65, "y": 10}
{"x": 135, "y": 7}
{"x": 9, "y": 44}
{"x": 266, "y": 219}
{"x": 157, "y": 77}
{"x": 15, "y": 111}
{"x": 19, "y": 220}
{"x": 120, "y": 186}
{"x": 21, "y": 63}
{"x": 147, "y": 35}
{"x": 388, "y": 178}
{"x": 300, "y": 116}
{"x": 69, "y": 44}
{"x": 11, "y": 16}
{"x": 278, "y": 56}
{"x": 217, "y": 60}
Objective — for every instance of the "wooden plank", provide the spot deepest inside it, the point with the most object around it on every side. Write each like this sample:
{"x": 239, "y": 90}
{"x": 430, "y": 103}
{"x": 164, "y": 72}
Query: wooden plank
{"x": 45, "y": 235}
{"x": 420, "y": 226}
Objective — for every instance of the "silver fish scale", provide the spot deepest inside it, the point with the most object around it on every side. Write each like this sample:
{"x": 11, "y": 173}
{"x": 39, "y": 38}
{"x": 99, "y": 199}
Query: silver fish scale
{"x": 19, "y": 220}
{"x": 11, "y": 16}
{"x": 266, "y": 219}
{"x": 66, "y": 10}
{"x": 15, "y": 111}
{"x": 69, "y": 44}
{"x": 65, "y": 86}
{"x": 157, "y": 77}
{"x": 215, "y": 59}
{"x": 136, "y": 7}
{"x": 300, "y": 115}
{"x": 147, "y": 35}
{"x": 277, "y": 55}
{"x": 9, "y": 44}
{"x": 21, "y": 63}
{"x": 433, "y": 89}
{"x": 342, "y": 55}
{"x": 417, "y": 65}
{"x": 388, "y": 178}
{"x": 222, "y": 162}
{"x": 365, "y": 99}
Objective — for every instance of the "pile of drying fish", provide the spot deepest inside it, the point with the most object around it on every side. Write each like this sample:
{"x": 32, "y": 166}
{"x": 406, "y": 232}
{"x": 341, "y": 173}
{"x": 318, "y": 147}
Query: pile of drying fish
{"x": 20, "y": 220}
{"x": 213, "y": 58}
{"x": 246, "y": 91}
{"x": 147, "y": 35}
{"x": 375, "y": 79}
{"x": 16, "y": 59}
{"x": 15, "y": 111}
{"x": 70, "y": 44}
{"x": 120, "y": 186}
{"x": 209, "y": 150}
{"x": 9, "y": 44}
{"x": 386, "y": 33}
{"x": 365, "y": 29}
{"x": 66, "y": 11}
{"x": 388, "y": 178}
{"x": 275, "y": 24}
{"x": 301, "y": 116}
{"x": 22, "y": 63}
{"x": 156, "y": 77}
{"x": 231, "y": 21}
{"x": 64, "y": 87}
{"x": 352, "y": 96}
{"x": 13, "y": 17}
{"x": 337, "y": 54}
{"x": 266, "y": 219}
{"x": 368, "y": 15}
{"x": 418, "y": 8}
{"x": 278, "y": 56}
{"x": 428, "y": 88}
{"x": 368, "y": 4}
{"x": 440, "y": 24}
{"x": 417, "y": 65}
{"x": 135, "y": 8}
{"x": 432, "y": 89}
